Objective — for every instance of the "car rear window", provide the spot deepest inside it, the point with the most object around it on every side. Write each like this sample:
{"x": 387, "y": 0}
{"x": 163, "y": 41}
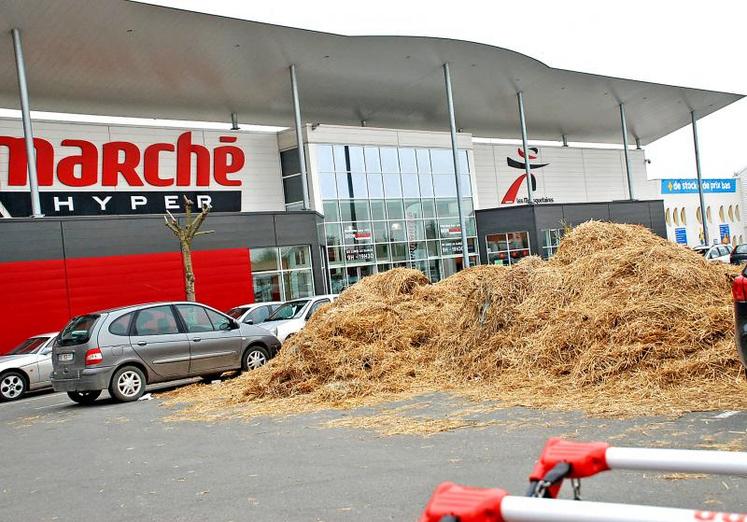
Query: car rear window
{"x": 78, "y": 330}
{"x": 122, "y": 325}
{"x": 28, "y": 346}
{"x": 236, "y": 312}
{"x": 741, "y": 249}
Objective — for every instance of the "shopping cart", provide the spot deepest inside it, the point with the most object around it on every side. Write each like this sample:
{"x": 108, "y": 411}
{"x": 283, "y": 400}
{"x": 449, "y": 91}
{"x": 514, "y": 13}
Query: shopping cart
{"x": 566, "y": 460}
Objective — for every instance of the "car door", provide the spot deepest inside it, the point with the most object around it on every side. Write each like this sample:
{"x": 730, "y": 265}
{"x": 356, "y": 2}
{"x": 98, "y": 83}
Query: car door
{"x": 44, "y": 364}
{"x": 213, "y": 342}
{"x": 158, "y": 340}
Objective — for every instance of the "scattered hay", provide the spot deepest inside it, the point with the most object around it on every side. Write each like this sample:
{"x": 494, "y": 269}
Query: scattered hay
{"x": 620, "y": 322}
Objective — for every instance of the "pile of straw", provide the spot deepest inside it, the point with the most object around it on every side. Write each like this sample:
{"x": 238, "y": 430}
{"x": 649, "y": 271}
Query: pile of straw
{"x": 618, "y": 322}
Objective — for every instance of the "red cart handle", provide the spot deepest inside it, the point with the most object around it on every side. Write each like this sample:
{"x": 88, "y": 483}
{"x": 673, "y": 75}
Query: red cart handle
{"x": 452, "y": 502}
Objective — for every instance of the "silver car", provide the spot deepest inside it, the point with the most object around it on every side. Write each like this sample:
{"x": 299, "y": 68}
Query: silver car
{"x": 123, "y": 349}
{"x": 26, "y": 367}
{"x": 288, "y": 320}
{"x": 253, "y": 313}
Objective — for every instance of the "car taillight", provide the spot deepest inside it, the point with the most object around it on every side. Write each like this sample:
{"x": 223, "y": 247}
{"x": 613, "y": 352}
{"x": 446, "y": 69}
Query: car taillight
{"x": 739, "y": 289}
{"x": 94, "y": 356}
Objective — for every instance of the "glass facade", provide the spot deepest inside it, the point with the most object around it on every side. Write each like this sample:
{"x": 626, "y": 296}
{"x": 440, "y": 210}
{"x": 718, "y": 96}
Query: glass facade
{"x": 388, "y": 207}
{"x": 282, "y": 273}
{"x": 507, "y": 248}
{"x": 550, "y": 240}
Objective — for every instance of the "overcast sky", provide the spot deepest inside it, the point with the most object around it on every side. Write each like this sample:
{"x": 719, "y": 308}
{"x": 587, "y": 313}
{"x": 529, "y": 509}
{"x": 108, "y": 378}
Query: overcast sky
{"x": 692, "y": 43}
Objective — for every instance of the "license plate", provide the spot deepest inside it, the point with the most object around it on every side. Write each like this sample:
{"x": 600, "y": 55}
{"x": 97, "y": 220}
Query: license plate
{"x": 65, "y": 357}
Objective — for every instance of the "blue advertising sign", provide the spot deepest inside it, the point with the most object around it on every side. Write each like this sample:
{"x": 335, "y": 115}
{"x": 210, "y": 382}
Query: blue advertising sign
{"x": 690, "y": 186}
{"x": 680, "y": 235}
{"x": 723, "y": 231}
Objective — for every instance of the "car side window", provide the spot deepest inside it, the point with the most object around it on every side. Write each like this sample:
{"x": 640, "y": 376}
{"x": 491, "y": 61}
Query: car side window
{"x": 121, "y": 326}
{"x": 158, "y": 320}
{"x": 258, "y": 315}
{"x": 220, "y": 321}
{"x": 713, "y": 254}
{"x": 724, "y": 251}
{"x": 195, "y": 318}
{"x": 315, "y": 307}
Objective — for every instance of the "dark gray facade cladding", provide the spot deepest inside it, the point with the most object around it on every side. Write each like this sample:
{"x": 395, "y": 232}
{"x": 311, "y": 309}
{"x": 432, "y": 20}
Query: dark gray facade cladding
{"x": 26, "y": 239}
{"x": 536, "y": 218}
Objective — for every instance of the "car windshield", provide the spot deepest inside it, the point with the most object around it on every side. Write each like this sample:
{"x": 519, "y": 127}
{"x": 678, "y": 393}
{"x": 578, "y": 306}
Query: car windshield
{"x": 741, "y": 249}
{"x": 702, "y": 251}
{"x": 78, "y": 330}
{"x": 31, "y": 345}
{"x": 289, "y": 310}
{"x": 236, "y": 312}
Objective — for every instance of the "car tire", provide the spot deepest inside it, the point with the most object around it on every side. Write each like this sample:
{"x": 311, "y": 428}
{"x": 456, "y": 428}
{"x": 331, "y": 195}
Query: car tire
{"x": 84, "y": 397}
{"x": 127, "y": 384}
{"x": 254, "y": 357}
{"x": 207, "y": 379}
{"x": 13, "y": 386}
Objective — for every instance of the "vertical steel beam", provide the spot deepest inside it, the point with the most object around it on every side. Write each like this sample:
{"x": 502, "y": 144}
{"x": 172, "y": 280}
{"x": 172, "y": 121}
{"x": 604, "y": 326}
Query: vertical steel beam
{"x": 624, "y": 125}
{"x": 234, "y": 121}
{"x": 565, "y": 140}
{"x": 700, "y": 178}
{"x": 28, "y": 133}
{"x": 455, "y": 154}
{"x": 299, "y": 137}
{"x": 527, "y": 166}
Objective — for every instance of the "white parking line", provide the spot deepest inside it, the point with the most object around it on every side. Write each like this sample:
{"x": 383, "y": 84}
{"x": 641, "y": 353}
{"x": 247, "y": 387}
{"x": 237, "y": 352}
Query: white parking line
{"x": 29, "y": 399}
{"x": 726, "y": 414}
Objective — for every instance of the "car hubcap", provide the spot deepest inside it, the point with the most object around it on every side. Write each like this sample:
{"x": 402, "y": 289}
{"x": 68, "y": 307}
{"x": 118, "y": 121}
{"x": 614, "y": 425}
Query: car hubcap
{"x": 255, "y": 359}
{"x": 129, "y": 383}
{"x": 11, "y": 386}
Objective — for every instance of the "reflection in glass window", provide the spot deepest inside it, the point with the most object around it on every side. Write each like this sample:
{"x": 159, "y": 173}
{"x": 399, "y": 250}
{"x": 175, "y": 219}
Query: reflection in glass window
{"x": 293, "y": 189}
{"x": 424, "y": 161}
{"x": 324, "y": 158}
{"x": 289, "y": 164}
{"x": 355, "y": 155}
{"x": 331, "y": 212}
{"x": 333, "y": 234}
{"x": 341, "y": 162}
{"x": 375, "y": 186}
{"x": 327, "y": 185}
{"x": 444, "y": 186}
{"x": 392, "y": 187}
{"x": 413, "y": 209}
{"x": 442, "y": 161}
{"x": 507, "y": 248}
{"x": 447, "y": 208}
{"x": 264, "y": 259}
{"x": 429, "y": 208}
{"x": 407, "y": 161}
{"x": 267, "y": 287}
{"x": 389, "y": 160}
{"x": 280, "y": 274}
{"x": 410, "y": 187}
{"x": 373, "y": 164}
{"x": 298, "y": 284}
{"x": 378, "y": 209}
{"x": 550, "y": 240}
{"x": 394, "y": 209}
{"x": 426, "y": 185}
{"x": 295, "y": 257}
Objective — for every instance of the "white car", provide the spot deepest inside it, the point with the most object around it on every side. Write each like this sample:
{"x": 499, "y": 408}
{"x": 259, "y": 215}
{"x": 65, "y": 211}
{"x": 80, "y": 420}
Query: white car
{"x": 292, "y": 316}
{"x": 254, "y": 313}
{"x": 27, "y": 367}
{"x": 715, "y": 253}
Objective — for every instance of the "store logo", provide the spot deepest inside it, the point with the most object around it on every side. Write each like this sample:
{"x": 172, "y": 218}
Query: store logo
{"x": 511, "y": 194}
{"x": 122, "y": 164}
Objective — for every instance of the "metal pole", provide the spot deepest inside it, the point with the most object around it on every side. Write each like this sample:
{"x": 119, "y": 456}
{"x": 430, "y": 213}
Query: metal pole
{"x": 234, "y": 121}
{"x": 625, "y": 148}
{"x": 299, "y": 137}
{"x": 28, "y": 133}
{"x": 527, "y": 167}
{"x": 700, "y": 179}
{"x": 455, "y": 154}
{"x": 676, "y": 461}
{"x": 565, "y": 140}
{"x": 638, "y": 143}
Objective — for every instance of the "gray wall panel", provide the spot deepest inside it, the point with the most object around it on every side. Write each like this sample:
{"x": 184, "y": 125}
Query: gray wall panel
{"x": 30, "y": 240}
{"x": 578, "y": 213}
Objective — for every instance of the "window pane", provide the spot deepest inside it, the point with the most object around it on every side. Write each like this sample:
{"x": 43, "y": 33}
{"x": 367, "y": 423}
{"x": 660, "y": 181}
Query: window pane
{"x": 372, "y": 159}
{"x": 431, "y": 229}
{"x": 426, "y": 185}
{"x": 334, "y": 255}
{"x": 354, "y": 210}
{"x": 433, "y": 248}
{"x": 356, "y": 158}
{"x": 333, "y": 234}
{"x": 297, "y": 284}
{"x": 195, "y": 318}
{"x": 264, "y": 259}
{"x": 294, "y": 206}
{"x": 471, "y": 228}
{"x": 394, "y": 209}
{"x": 337, "y": 280}
{"x": 397, "y": 230}
{"x": 375, "y": 186}
{"x": 444, "y": 186}
{"x": 449, "y": 228}
{"x": 324, "y": 160}
{"x": 447, "y": 208}
{"x": 267, "y": 287}
{"x": 429, "y": 208}
{"x": 399, "y": 251}
{"x": 463, "y": 162}
{"x": 407, "y": 161}
{"x": 392, "y": 188}
{"x": 389, "y": 160}
{"x": 121, "y": 326}
{"x": 289, "y": 162}
{"x": 415, "y": 231}
{"x": 357, "y": 232}
{"x": 341, "y": 164}
{"x": 465, "y": 186}
{"x": 327, "y": 185}
{"x": 220, "y": 321}
{"x": 383, "y": 267}
{"x": 467, "y": 209}
{"x": 424, "y": 161}
{"x": 360, "y": 189}
{"x": 377, "y": 209}
{"x": 410, "y": 187}
{"x": 295, "y": 257}
{"x": 442, "y": 161}
{"x": 331, "y": 211}
{"x": 381, "y": 232}
{"x": 344, "y": 185}
{"x": 382, "y": 252}
{"x": 158, "y": 320}
{"x": 412, "y": 209}
{"x": 293, "y": 189}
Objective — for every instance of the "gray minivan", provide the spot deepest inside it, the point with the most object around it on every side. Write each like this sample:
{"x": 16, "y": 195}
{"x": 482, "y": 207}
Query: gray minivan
{"x": 123, "y": 349}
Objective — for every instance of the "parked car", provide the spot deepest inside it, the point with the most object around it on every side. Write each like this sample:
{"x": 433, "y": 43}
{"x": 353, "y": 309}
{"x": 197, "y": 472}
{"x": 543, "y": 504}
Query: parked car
{"x": 716, "y": 253}
{"x": 123, "y": 349}
{"x": 26, "y": 367}
{"x": 292, "y": 316}
{"x": 739, "y": 254}
{"x": 739, "y": 293}
{"x": 254, "y": 313}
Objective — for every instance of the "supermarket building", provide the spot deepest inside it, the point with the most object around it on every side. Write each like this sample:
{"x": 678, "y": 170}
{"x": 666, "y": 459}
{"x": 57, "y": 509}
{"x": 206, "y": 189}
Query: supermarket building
{"x": 380, "y": 182}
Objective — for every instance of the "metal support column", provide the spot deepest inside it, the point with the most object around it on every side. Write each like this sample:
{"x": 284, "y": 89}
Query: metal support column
{"x": 700, "y": 179}
{"x": 625, "y": 148}
{"x": 455, "y": 154}
{"x": 234, "y": 121}
{"x": 299, "y": 137}
{"x": 565, "y": 140}
{"x": 28, "y": 133}
{"x": 527, "y": 166}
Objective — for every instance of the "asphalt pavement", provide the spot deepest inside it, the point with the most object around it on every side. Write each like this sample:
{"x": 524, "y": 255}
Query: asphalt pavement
{"x": 62, "y": 461}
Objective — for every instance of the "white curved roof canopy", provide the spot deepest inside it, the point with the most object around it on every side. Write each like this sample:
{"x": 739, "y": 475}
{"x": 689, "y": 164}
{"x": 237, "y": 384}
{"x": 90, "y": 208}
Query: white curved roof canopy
{"x": 119, "y": 58}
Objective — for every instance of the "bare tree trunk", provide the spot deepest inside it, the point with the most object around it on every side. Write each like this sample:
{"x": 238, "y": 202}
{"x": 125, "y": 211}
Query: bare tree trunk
{"x": 185, "y": 233}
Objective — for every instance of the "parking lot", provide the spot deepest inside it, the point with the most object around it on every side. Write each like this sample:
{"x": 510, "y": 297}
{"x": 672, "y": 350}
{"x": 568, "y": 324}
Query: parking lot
{"x": 113, "y": 461}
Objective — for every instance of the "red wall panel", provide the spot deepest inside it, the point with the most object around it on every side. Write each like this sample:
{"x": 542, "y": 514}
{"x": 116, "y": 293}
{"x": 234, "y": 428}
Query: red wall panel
{"x": 41, "y": 296}
{"x": 34, "y": 300}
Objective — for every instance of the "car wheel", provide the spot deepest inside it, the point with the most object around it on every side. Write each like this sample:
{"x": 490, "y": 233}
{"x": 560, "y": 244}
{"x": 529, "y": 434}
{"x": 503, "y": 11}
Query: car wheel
{"x": 84, "y": 397}
{"x": 128, "y": 384}
{"x": 12, "y": 386}
{"x": 207, "y": 379}
{"x": 254, "y": 357}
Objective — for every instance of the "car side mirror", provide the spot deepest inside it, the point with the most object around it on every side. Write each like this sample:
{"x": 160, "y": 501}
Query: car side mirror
{"x": 249, "y": 321}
